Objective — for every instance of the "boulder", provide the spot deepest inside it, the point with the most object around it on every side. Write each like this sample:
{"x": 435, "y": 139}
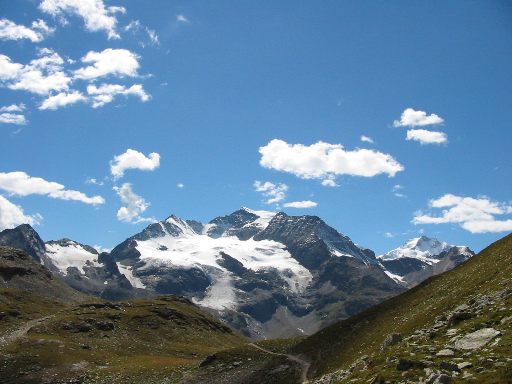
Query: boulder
{"x": 476, "y": 339}
{"x": 445, "y": 353}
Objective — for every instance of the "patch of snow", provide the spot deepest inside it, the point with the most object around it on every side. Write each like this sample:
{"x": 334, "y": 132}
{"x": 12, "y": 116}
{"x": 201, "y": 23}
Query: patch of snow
{"x": 203, "y": 252}
{"x": 181, "y": 224}
{"x": 397, "y": 278}
{"x": 70, "y": 255}
{"x": 220, "y": 295}
{"x": 128, "y": 273}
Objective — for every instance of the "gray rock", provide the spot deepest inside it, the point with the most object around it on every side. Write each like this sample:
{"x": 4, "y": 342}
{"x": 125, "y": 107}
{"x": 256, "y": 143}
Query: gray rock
{"x": 445, "y": 353}
{"x": 436, "y": 378}
{"x": 506, "y": 320}
{"x": 476, "y": 339}
{"x": 464, "y": 365}
{"x": 392, "y": 339}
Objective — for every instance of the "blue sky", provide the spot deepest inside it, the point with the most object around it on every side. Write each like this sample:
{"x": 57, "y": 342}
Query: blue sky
{"x": 204, "y": 85}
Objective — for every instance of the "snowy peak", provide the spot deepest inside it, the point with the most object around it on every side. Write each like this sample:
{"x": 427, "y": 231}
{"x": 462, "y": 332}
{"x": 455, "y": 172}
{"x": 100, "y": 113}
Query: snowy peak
{"x": 422, "y": 248}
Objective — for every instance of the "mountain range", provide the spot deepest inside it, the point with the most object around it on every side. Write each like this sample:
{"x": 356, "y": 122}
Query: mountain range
{"x": 266, "y": 274}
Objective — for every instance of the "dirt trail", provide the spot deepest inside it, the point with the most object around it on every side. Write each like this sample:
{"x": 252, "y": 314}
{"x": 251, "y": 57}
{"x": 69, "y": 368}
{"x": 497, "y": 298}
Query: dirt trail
{"x": 303, "y": 363}
{"x": 21, "y": 331}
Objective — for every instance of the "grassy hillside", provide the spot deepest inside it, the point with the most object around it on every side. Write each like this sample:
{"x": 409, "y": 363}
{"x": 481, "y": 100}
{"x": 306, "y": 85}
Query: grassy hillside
{"x": 46, "y": 338}
{"x": 417, "y": 311}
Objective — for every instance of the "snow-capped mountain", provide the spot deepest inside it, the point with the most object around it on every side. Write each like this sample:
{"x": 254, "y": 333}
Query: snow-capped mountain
{"x": 267, "y": 274}
{"x": 422, "y": 257}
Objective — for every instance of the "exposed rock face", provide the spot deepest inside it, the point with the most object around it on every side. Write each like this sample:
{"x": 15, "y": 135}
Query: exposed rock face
{"x": 422, "y": 257}
{"x": 19, "y": 270}
{"x": 25, "y": 238}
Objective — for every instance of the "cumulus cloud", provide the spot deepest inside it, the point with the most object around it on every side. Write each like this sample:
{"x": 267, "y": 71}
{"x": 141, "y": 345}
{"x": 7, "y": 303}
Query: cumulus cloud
{"x": 366, "y": 139}
{"x": 424, "y": 136}
{"x": 412, "y": 118}
{"x": 133, "y": 206}
{"x": 274, "y": 193}
{"x": 180, "y": 185}
{"x": 13, "y": 108}
{"x": 40, "y": 76}
{"x": 9, "y": 30}
{"x": 96, "y": 16}
{"x": 476, "y": 215}
{"x": 106, "y": 93}
{"x": 12, "y": 215}
{"x": 325, "y": 161}
{"x": 301, "y": 204}
{"x": 115, "y": 62}
{"x": 132, "y": 159}
{"x": 21, "y": 184}
{"x": 12, "y": 118}
{"x": 61, "y": 100}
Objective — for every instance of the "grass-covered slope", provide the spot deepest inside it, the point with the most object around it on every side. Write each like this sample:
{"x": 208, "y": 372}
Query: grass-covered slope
{"x": 51, "y": 334}
{"x": 422, "y": 316}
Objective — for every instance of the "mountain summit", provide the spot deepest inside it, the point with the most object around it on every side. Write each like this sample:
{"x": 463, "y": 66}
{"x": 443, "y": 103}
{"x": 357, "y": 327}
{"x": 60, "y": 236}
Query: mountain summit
{"x": 422, "y": 257}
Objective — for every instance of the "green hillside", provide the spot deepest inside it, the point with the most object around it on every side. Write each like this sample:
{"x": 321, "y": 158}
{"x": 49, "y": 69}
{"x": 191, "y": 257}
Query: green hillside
{"x": 44, "y": 338}
{"x": 485, "y": 281}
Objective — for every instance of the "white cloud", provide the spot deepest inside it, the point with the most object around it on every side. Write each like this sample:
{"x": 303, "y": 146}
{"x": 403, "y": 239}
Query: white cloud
{"x": 40, "y": 76}
{"x": 61, "y": 100}
{"x": 326, "y": 161}
{"x": 182, "y": 19}
{"x": 106, "y": 92}
{"x": 101, "y": 249}
{"x": 8, "y": 69}
{"x": 424, "y": 136}
{"x": 274, "y": 193}
{"x": 93, "y": 181}
{"x": 12, "y": 31}
{"x": 116, "y": 62}
{"x": 21, "y": 184}
{"x": 330, "y": 182}
{"x": 133, "y": 206}
{"x": 396, "y": 190}
{"x": 476, "y": 215}
{"x": 389, "y": 235}
{"x": 301, "y": 204}
{"x": 366, "y": 139}
{"x": 412, "y": 118}
{"x": 13, "y": 108}
{"x": 12, "y": 215}
{"x": 180, "y": 185}
{"x": 133, "y": 159}
{"x": 12, "y": 118}
{"x": 137, "y": 29}
{"x": 96, "y": 15}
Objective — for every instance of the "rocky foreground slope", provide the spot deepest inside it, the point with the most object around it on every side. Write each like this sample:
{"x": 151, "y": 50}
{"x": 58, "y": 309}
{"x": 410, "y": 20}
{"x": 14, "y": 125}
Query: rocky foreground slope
{"x": 266, "y": 274}
{"x": 452, "y": 328}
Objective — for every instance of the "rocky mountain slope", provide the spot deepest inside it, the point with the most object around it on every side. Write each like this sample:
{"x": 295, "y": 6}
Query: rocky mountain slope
{"x": 452, "y": 328}
{"x": 266, "y": 274}
{"x": 421, "y": 258}
{"x": 49, "y": 333}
